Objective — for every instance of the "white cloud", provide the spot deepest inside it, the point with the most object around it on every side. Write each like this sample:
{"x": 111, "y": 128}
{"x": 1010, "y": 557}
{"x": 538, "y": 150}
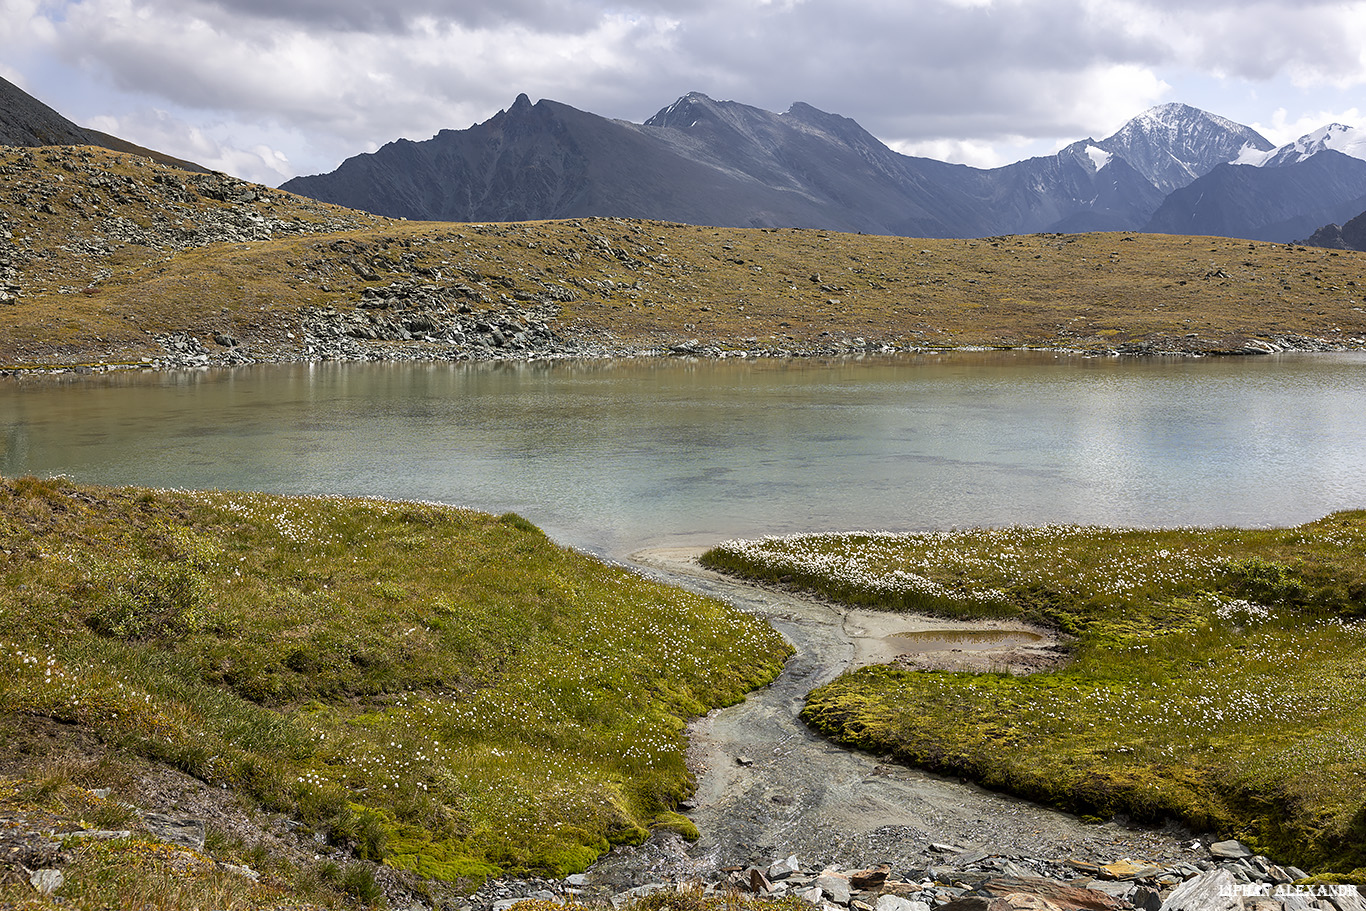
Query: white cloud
{"x": 1282, "y": 130}
{"x": 208, "y": 146}
{"x": 979, "y": 79}
{"x": 1315, "y": 42}
{"x": 976, "y": 153}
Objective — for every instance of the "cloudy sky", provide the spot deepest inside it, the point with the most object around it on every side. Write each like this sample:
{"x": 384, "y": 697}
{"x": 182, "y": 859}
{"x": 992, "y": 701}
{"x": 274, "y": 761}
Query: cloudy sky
{"x": 267, "y": 89}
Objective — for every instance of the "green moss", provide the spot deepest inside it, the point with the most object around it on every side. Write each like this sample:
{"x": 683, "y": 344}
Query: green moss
{"x": 677, "y": 823}
{"x": 630, "y": 834}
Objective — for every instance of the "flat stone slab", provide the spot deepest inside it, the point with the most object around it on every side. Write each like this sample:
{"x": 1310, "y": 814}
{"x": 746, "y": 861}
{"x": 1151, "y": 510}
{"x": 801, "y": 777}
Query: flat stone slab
{"x": 185, "y": 831}
{"x": 1060, "y": 894}
{"x": 47, "y": 881}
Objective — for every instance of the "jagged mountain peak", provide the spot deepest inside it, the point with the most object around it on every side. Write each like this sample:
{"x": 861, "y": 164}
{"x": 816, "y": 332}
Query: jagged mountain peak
{"x": 1173, "y": 144}
{"x": 1175, "y": 115}
{"x": 687, "y": 110}
{"x": 1182, "y": 125}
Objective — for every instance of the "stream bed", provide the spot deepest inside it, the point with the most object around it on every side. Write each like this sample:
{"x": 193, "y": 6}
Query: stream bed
{"x": 768, "y": 786}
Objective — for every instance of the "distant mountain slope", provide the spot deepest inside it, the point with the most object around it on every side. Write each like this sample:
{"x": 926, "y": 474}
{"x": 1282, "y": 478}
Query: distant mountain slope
{"x": 27, "y": 122}
{"x": 1267, "y": 203}
{"x": 723, "y": 163}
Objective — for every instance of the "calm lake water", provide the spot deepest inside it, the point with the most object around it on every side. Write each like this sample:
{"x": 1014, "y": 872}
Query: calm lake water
{"x": 612, "y": 456}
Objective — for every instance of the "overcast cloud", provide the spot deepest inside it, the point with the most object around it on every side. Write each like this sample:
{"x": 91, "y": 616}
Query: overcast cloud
{"x": 267, "y": 89}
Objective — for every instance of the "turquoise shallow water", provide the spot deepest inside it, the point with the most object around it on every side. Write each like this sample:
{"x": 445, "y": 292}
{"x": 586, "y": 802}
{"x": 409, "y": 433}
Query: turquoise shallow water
{"x": 611, "y": 456}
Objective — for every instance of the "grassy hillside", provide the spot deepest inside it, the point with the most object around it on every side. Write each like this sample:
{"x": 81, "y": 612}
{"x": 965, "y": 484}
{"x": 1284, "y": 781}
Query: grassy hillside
{"x": 111, "y": 250}
{"x": 1217, "y": 677}
{"x": 442, "y": 691}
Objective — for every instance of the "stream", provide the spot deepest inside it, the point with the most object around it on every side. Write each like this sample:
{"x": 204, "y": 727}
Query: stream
{"x": 768, "y": 786}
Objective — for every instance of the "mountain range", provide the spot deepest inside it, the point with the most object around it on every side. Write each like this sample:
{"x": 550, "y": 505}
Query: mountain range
{"x": 1171, "y": 169}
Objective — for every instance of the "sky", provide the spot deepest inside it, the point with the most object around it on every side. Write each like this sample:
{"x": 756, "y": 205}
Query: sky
{"x": 269, "y": 89}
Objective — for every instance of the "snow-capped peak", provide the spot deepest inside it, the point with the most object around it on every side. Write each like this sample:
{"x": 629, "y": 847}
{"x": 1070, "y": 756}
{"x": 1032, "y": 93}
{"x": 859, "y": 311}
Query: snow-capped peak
{"x": 1349, "y": 141}
{"x": 1173, "y": 144}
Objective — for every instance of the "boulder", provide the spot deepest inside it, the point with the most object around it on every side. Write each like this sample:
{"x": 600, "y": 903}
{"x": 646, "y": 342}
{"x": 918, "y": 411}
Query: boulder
{"x": 1216, "y": 890}
{"x": 1127, "y": 870}
{"x": 897, "y": 903}
{"x": 835, "y": 887}
{"x": 47, "y": 881}
{"x": 1014, "y": 901}
{"x": 1230, "y": 850}
{"x": 1023, "y": 901}
{"x": 176, "y": 830}
{"x": 1069, "y": 898}
{"x": 1347, "y": 899}
{"x": 868, "y": 880}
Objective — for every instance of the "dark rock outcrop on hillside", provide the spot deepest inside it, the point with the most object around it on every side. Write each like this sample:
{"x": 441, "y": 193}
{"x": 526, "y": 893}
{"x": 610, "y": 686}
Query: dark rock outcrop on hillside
{"x": 1349, "y": 236}
{"x": 27, "y": 122}
{"x": 703, "y": 161}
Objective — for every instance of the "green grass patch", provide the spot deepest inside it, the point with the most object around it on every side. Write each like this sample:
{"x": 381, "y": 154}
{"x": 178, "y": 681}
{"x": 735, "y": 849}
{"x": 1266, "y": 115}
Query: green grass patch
{"x": 1217, "y": 676}
{"x": 442, "y": 690}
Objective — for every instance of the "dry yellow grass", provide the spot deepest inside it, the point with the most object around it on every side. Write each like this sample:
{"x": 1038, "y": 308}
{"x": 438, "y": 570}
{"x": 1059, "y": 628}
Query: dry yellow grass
{"x": 86, "y": 296}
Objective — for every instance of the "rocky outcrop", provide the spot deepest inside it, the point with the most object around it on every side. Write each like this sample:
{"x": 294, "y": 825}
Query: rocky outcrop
{"x": 1349, "y": 236}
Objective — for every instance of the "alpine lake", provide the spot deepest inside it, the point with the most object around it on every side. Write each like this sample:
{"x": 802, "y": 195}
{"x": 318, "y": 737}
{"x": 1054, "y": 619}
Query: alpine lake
{"x": 611, "y": 456}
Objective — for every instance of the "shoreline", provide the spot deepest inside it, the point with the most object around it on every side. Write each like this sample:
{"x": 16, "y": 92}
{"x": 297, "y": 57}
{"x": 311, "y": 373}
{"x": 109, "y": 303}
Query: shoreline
{"x": 187, "y": 357}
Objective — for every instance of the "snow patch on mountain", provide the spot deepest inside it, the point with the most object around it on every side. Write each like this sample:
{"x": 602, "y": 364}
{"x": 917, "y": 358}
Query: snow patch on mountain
{"x": 1099, "y": 157}
{"x": 1349, "y": 141}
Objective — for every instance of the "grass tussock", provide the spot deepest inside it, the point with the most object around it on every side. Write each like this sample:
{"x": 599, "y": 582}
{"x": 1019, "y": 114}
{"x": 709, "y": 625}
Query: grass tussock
{"x": 444, "y": 691}
{"x": 1218, "y": 676}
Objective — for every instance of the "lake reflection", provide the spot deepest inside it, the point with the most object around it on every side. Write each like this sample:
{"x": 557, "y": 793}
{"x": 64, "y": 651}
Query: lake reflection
{"x": 610, "y": 456}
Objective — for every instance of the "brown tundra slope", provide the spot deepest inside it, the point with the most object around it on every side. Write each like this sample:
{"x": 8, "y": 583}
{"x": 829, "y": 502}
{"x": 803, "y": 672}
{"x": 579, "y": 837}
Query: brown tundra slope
{"x": 111, "y": 258}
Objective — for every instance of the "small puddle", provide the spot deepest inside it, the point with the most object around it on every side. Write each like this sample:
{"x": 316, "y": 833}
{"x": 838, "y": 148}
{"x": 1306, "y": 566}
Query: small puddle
{"x": 934, "y": 640}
